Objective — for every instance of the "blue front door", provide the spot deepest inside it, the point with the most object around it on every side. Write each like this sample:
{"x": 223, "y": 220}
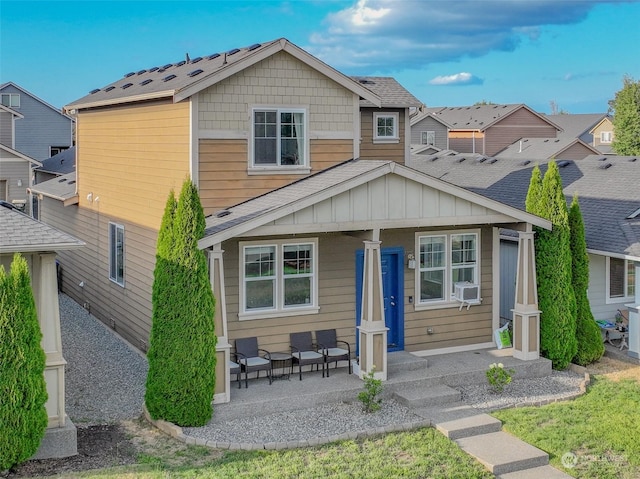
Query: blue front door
{"x": 392, "y": 260}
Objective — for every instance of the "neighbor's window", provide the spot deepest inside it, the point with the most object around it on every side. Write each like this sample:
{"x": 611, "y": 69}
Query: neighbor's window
{"x": 385, "y": 126}
{"x": 278, "y": 277}
{"x": 54, "y": 150}
{"x": 116, "y": 253}
{"x": 446, "y": 259}
{"x": 428, "y": 137}
{"x": 606, "y": 136}
{"x": 12, "y": 100}
{"x": 622, "y": 279}
{"x": 279, "y": 138}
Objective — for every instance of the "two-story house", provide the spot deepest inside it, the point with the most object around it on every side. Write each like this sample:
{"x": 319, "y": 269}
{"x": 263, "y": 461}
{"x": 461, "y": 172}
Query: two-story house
{"x": 313, "y": 219}
{"x": 43, "y": 130}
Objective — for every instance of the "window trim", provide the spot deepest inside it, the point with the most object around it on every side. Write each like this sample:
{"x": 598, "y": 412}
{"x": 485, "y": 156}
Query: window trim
{"x": 628, "y": 266}
{"x": 277, "y": 168}
{"x": 11, "y": 96}
{"x": 448, "y": 301}
{"x": 279, "y": 310}
{"x": 113, "y": 277}
{"x": 386, "y": 139}
{"x": 609, "y": 138}
{"x": 422, "y": 134}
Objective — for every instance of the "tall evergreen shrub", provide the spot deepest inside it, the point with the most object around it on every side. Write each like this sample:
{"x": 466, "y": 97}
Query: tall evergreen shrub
{"x": 181, "y": 378}
{"x": 23, "y": 390}
{"x": 590, "y": 345}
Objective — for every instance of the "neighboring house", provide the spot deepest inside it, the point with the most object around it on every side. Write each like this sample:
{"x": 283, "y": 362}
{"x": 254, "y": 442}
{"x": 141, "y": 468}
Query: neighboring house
{"x": 38, "y": 243}
{"x": 547, "y": 149}
{"x": 60, "y": 164}
{"x": 607, "y": 188}
{"x": 43, "y": 130}
{"x": 427, "y": 129}
{"x": 301, "y": 173}
{"x": 485, "y": 129}
{"x": 603, "y": 136}
{"x": 16, "y": 171}
{"x": 578, "y": 125}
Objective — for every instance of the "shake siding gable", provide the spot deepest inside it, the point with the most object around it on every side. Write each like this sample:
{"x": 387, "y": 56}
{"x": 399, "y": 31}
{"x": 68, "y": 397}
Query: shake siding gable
{"x": 131, "y": 157}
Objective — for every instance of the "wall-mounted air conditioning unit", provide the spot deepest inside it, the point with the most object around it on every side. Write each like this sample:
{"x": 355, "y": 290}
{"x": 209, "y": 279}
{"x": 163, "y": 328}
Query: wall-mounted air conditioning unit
{"x": 467, "y": 293}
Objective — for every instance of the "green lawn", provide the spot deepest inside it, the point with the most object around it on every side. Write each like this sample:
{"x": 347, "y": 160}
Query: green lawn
{"x": 423, "y": 453}
{"x": 602, "y": 429}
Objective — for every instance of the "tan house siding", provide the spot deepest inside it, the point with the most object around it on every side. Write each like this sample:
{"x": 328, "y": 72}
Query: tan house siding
{"x": 223, "y": 177}
{"x": 337, "y": 296}
{"x": 604, "y": 126}
{"x": 131, "y": 157}
{"x": 127, "y": 308}
{"x": 377, "y": 151}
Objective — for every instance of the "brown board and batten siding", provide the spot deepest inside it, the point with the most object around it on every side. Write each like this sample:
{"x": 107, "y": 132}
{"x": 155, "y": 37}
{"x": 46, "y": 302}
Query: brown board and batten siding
{"x": 131, "y": 157}
{"x": 522, "y": 123}
{"x": 388, "y": 151}
{"x": 128, "y": 308}
{"x": 466, "y": 141}
{"x": 337, "y": 296}
{"x": 575, "y": 152}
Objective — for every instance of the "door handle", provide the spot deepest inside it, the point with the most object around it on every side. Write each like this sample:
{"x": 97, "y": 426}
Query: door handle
{"x": 392, "y": 303}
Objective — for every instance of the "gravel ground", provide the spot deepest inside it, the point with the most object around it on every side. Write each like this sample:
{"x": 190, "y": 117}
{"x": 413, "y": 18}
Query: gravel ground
{"x": 105, "y": 380}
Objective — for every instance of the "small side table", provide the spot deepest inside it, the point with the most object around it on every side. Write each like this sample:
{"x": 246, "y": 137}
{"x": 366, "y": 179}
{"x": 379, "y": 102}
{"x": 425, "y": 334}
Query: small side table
{"x": 281, "y": 365}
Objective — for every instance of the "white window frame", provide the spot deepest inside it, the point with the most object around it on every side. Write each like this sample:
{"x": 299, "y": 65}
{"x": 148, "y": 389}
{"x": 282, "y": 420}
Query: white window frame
{"x": 394, "y": 138}
{"x": 13, "y": 100}
{"x": 606, "y": 136}
{"x": 277, "y": 168}
{"x": 629, "y": 269}
{"x": 114, "y": 229}
{"x": 427, "y": 134}
{"x": 448, "y": 300}
{"x": 279, "y": 310}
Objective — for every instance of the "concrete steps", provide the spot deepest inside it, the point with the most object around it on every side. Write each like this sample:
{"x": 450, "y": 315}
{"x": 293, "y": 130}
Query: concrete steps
{"x": 546, "y": 472}
{"x": 475, "y": 425}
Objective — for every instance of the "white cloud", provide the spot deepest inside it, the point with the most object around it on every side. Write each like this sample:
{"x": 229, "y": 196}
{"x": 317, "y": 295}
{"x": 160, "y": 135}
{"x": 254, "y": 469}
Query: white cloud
{"x": 462, "y": 78}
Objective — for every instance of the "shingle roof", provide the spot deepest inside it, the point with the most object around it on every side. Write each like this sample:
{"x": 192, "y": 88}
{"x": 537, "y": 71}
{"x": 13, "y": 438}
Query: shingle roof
{"x": 607, "y": 195}
{"x": 61, "y": 188}
{"x": 542, "y": 148}
{"x": 389, "y": 91}
{"x": 575, "y": 125}
{"x": 21, "y": 233}
{"x": 60, "y": 164}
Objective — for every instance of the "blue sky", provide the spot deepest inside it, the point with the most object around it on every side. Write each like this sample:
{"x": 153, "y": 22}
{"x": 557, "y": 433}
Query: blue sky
{"x": 446, "y": 52}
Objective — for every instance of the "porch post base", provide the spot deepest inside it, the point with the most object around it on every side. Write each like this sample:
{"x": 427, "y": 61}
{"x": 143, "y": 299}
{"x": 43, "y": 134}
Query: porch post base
{"x": 634, "y": 329}
{"x": 373, "y": 349}
{"x": 526, "y": 335}
{"x": 223, "y": 380}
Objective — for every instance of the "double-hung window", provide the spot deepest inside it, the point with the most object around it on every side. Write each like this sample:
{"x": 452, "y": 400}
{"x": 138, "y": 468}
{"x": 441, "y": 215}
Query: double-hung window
{"x": 12, "y": 100}
{"x": 279, "y": 138}
{"x": 606, "y": 136}
{"x": 445, "y": 259}
{"x": 278, "y": 278}
{"x": 116, "y": 253}
{"x": 428, "y": 137}
{"x": 622, "y": 279}
{"x": 385, "y": 127}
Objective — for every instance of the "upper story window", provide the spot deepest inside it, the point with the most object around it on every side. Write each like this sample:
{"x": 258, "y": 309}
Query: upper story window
{"x": 385, "y": 127}
{"x": 54, "y": 150}
{"x": 606, "y": 136}
{"x": 622, "y": 278}
{"x": 12, "y": 100}
{"x": 445, "y": 259}
{"x": 428, "y": 137}
{"x": 279, "y": 138}
{"x": 116, "y": 253}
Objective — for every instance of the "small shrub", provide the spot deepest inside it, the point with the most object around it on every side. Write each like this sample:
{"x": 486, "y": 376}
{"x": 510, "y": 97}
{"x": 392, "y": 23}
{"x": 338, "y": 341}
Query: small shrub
{"x": 371, "y": 402}
{"x": 498, "y": 377}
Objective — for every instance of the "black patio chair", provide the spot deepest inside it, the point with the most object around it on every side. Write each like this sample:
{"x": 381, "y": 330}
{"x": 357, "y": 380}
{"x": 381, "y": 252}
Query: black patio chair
{"x": 327, "y": 340}
{"x": 305, "y": 352}
{"x": 234, "y": 368}
{"x": 250, "y": 359}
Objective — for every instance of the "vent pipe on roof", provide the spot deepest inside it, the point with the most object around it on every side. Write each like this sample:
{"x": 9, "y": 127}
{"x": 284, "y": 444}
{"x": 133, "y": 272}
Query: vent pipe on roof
{"x": 520, "y": 147}
{"x": 224, "y": 62}
{"x": 187, "y": 59}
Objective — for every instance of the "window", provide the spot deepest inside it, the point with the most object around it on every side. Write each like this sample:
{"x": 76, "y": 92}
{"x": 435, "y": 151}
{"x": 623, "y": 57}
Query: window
{"x": 279, "y": 138}
{"x": 622, "y": 278}
{"x": 606, "y": 136}
{"x": 445, "y": 259}
{"x": 116, "y": 253}
{"x": 12, "y": 100}
{"x": 54, "y": 150}
{"x": 428, "y": 137}
{"x": 278, "y": 278}
{"x": 385, "y": 127}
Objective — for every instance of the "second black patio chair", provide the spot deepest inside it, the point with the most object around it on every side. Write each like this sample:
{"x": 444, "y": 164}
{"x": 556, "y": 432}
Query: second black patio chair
{"x": 251, "y": 358}
{"x": 305, "y": 352}
{"x": 328, "y": 344}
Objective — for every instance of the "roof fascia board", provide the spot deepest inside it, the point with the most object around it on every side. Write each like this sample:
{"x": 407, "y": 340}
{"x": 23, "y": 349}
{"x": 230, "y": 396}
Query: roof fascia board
{"x": 120, "y": 101}
{"x": 418, "y": 119}
{"x": 522, "y": 105}
{"x": 41, "y": 248}
{"x": 597, "y": 125}
{"x": 12, "y": 111}
{"x": 577, "y": 141}
{"x": 613, "y": 255}
{"x": 36, "y": 98}
{"x": 20, "y": 155}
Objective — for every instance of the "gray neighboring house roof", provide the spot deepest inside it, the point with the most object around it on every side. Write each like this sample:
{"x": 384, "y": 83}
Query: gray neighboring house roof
{"x": 61, "y": 188}
{"x": 607, "y": 189}
{"x": 577, "y": 125}
{"x": 184, "y": 78}
{"x": 20, "y": 233}
{"x": 60, "y": 164}
{"x": 57, "y": 110}
{"x": 391, "y": 93}
{"x": 542, "y": 148}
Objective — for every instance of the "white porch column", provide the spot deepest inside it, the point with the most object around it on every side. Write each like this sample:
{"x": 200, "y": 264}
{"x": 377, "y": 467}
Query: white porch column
{"x": 223, "y": 348}
{"x": 372, "y": 330}
{"x": 526, "y": 315}
{"x": 46, "y": 298}
{"x": 634, "y": 319}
